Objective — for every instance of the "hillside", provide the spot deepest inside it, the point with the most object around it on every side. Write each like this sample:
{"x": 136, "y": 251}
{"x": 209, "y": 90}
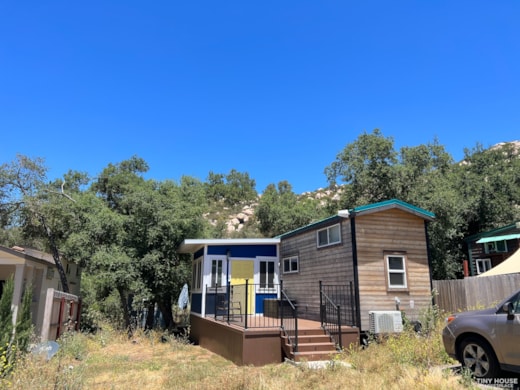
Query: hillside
{"x": 240, "y": 221}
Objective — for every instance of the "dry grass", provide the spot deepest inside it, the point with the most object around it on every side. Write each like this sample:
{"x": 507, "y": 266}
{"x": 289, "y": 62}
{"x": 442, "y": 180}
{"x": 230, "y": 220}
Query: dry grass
{"x": 110, "y": 361}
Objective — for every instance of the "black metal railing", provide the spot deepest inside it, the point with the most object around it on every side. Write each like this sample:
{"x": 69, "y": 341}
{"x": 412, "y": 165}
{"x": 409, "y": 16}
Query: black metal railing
{"x": 337, "y": 309}
{"x": 289, "y": 320}
{"x": 246, "y": 305}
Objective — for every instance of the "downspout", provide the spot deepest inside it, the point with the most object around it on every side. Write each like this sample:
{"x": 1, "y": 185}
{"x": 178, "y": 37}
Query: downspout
{"x": 355, "y": 266}
{"x": 429, "y": 255}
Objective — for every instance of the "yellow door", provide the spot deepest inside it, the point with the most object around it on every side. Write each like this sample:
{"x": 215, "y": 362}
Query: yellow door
{"x": 240, "y": 271}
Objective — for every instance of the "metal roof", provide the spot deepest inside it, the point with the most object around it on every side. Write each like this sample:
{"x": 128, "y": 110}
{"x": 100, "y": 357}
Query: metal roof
{"x": 394, "y": 203}
{"x": 498, "y": 238}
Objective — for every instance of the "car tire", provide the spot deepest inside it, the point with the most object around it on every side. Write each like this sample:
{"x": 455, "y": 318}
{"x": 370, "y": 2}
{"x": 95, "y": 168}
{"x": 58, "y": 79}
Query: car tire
{"x": 478, "y": 356}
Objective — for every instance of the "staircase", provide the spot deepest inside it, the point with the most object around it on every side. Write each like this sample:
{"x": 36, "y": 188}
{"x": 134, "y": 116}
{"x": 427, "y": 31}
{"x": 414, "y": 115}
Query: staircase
{"x": 313, "y": 344}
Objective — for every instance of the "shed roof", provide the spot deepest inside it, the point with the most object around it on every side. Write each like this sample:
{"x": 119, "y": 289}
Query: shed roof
{"x": 498, "y": 238}
{"x": 30, "y": 254}
{"x": 506, "y": 230}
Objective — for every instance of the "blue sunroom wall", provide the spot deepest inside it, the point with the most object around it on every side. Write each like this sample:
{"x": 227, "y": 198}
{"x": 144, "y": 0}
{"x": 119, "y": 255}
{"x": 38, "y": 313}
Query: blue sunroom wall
{"x": 243, "y": 251}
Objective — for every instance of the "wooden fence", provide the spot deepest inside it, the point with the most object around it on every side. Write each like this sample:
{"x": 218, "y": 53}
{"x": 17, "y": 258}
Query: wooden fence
{"x": 474, "y": 292}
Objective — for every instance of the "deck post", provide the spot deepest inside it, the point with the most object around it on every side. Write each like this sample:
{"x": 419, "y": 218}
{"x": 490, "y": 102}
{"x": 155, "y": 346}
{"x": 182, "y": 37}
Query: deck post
{"x": 321, "y": 305}
{"x": 228, "y": 298}
{"x": 247, "y": 301}
{"x": 339, "y": 327}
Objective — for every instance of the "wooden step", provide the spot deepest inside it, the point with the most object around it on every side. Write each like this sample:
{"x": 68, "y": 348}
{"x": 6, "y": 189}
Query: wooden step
{"x": 313, "y": 345}
{"x": 312, "y": 356}
{"x": 316, "y": 347}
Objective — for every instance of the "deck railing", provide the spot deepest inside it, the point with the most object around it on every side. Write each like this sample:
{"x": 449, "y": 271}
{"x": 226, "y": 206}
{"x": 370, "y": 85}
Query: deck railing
{"x": 289, "y": 320}
{"x": 249, "y": 305}
{"x": 337, "y": 308}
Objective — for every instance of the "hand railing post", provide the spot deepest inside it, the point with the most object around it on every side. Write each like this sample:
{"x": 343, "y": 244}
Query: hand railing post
{"x": 228, "y": 298}
{"x": 339, "y": 327}
{"x": 296, "y": 329}
{"x": 352, "y": 305}
{"x": 321, "y": 305}
{"x": 247, "y": 301}
{"x": 216, "y": 301}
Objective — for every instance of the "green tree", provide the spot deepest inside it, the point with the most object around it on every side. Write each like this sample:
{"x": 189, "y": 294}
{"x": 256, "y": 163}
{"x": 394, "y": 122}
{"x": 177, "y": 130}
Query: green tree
{"x": 127, "y": 232}
{"x": 366, "y": 166}
{"x": 24, "y": 193}
{"x": 14, "y": 338}
{"x": 280, "y": 210}
{"x": 24, "y": 325}
{"x": 6, "y": 314}
{"x": 233, "y": 188}
{"x": 489, "y": 183}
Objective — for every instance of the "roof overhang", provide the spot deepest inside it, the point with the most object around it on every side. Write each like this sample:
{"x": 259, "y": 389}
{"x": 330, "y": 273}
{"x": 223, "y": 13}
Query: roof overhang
{"x": 498, "y": 238}
{"x": 394, "y": 204}
{"x": 193, "y": 245}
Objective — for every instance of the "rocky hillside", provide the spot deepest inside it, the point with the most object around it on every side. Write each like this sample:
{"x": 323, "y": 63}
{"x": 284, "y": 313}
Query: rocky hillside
{"x": 240, "y": 221}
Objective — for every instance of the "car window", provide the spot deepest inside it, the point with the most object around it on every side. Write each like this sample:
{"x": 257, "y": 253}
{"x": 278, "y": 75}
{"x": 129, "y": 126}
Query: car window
{"x": 516, "y": 304}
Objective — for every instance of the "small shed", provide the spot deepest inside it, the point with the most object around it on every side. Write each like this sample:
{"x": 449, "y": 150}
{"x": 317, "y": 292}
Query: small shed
{"x": 36, "y": 268}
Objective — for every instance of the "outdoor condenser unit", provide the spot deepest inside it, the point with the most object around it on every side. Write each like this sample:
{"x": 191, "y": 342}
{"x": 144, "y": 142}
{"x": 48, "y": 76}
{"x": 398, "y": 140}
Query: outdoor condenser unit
{"x": 385, "y": 321}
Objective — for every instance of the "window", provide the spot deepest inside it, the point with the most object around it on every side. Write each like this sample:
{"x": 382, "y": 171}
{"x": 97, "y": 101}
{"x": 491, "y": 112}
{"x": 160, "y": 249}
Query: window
{"x": 329, "y": 236}
{"x": 197, "y": 275}
{"x": 495, "y": 246}
{"x": 216, "y": 273}
{"x": 483, "y": 265}
{"x": 267, "y": 274}
{"x": 290, "y": 265}
{"x": 396, "y": 271}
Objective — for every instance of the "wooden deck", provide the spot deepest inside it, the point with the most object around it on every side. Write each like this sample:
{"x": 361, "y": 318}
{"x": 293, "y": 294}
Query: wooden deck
{"x": 259, "y": 344}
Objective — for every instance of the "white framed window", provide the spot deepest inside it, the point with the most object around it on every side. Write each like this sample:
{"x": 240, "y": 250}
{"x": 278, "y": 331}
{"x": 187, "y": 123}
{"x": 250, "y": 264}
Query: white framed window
{"x": 216, "y": 273}
{"x": 267, "y": 274}
{"x": 495, "y": 246}
{"x": 197, "y": 275}
{"x": 329, "y": 236}
{"x": 483, "y": 265}
{"x": 396, "y": 270}
{"x": 291, "y": 265}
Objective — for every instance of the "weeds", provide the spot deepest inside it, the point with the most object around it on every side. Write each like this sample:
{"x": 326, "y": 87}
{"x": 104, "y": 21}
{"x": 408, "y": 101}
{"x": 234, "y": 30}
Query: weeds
{"x": 153, "y": 360}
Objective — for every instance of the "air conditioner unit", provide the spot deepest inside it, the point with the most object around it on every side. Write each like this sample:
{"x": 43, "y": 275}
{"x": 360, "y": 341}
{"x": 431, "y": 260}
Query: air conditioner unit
{"x": 385, "y": 321}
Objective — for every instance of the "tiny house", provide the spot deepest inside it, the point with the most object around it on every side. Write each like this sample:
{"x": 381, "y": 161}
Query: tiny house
{"x": 376, "y": 255}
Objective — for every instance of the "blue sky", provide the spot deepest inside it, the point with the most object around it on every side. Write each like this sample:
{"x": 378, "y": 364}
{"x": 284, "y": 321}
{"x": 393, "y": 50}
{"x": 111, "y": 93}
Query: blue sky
{"x": 272, "y": 88}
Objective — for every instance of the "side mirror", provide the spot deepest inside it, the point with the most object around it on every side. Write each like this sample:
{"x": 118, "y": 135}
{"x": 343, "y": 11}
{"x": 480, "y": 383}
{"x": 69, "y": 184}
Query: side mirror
{"x": 509, "y": 310}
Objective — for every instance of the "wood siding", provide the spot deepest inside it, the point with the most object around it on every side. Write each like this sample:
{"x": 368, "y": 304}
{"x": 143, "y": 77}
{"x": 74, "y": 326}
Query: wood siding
{"x": 331, "y": 265}
{"x": 392, "y": 231}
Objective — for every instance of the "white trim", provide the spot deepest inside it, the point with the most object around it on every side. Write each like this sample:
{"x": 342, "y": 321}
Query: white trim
{"x": 289, "y": 259}
{"x": 396, "y": 271}
{"x": 191, "y": 245}
{"x": 328, "y": 229}
{"x": 486, "y": 268}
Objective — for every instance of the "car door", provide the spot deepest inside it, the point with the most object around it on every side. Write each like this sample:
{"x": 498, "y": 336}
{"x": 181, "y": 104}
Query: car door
{"x": 508, "y": 332}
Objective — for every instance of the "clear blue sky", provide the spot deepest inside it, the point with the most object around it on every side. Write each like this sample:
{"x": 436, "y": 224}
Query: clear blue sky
{"x": 272, "y": 88}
